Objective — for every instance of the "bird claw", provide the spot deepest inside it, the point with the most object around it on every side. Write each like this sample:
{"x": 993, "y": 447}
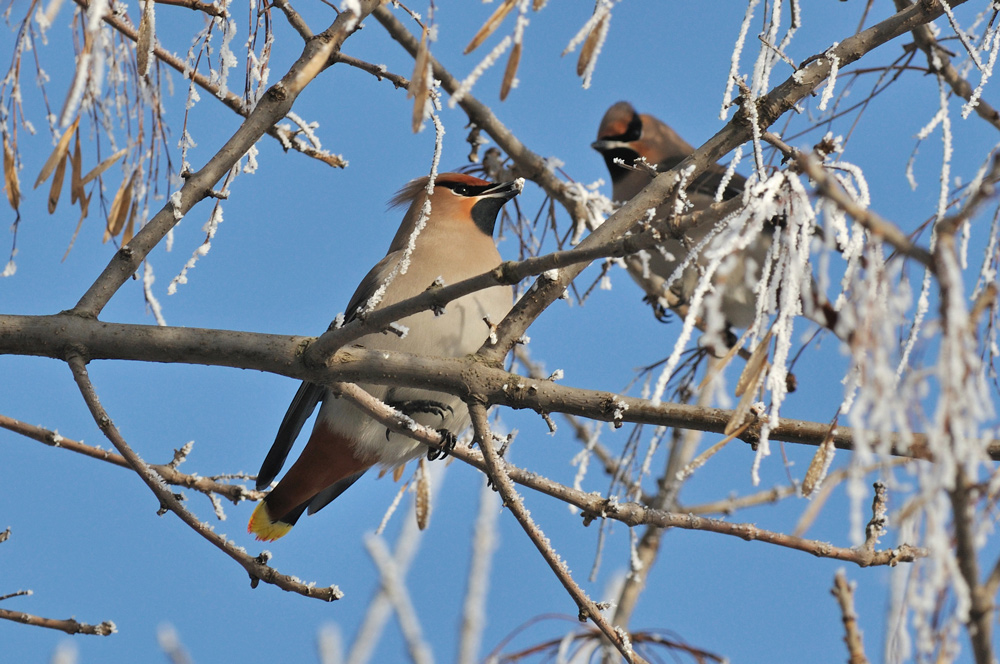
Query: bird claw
{"x": 448, "y": 442}
{"x": 410, "y": 408}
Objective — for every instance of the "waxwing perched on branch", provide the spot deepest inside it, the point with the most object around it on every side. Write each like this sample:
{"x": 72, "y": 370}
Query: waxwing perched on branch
{"x": 456, "y": 243}
{"x": 627, "y": 135}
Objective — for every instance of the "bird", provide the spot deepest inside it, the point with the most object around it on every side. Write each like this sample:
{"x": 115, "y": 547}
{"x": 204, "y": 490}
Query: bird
{"x": 456, "y": 243}
{"x": 626, "y": 135}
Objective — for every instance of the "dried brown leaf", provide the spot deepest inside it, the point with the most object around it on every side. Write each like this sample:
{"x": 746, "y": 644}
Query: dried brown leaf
{"x": 511, "y": 71}
{"x": 101, "y": 167}
{"x": 11, "y": 184}
{"x": 119, "y": 208}
{"x": 57, "y": 182}
{"x": 76, "y": 186}
{"x": 590, "y": 46}
{"x": 820, "y": 463}
{"x": 60, "y": 151}
{"x": 422, "y": 502}
{"x": 492, "y": 23}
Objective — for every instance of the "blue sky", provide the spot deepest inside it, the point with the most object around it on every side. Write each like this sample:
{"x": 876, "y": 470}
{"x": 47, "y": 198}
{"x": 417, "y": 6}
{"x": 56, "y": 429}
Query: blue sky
{"x": 296, "y": 238}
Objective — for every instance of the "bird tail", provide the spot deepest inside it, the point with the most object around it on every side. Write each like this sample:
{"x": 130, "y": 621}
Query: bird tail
{"x": 267, "y": 529}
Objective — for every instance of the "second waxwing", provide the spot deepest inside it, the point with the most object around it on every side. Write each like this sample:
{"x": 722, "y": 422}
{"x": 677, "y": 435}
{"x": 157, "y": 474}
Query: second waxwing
{"x": 627, "y": 135}
{"x": 456, "y": 243}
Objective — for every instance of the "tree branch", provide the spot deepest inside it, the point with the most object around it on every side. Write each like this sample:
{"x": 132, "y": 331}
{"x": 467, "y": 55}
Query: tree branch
{"x": 273, "y": 106}
{"x": 70, "y": 626}
{"x": 230, "y": 99}
{"x": 496, "y": 471}
{"x": 50, "y": 336}
{"x": 255, "y": 567}
{"x": 169, "y": 473}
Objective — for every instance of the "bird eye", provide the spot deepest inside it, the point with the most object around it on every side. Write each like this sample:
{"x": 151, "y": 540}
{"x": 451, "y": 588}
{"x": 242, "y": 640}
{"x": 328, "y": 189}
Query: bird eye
{"x": 461, "y": 190}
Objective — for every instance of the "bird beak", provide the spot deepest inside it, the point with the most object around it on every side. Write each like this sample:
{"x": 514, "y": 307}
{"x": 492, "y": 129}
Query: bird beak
{"x": 504, "y": 190}
{"x": 603, "y": 146}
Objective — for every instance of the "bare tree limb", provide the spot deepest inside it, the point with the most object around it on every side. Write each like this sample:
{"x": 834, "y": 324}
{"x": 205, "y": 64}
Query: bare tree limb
{"x": 204, "y": 7}
{"x": 844, "y": 592}
{"x": 50, "y": 336}
{"x": 497, "y": 473}
{"x": 169, "y": 473}
{"x": 629, "y": 513}
{"x": 255, "y": 567}
{"x": 274, "y": 105}
{"x": 70, "y": 626}
{"x": 939, "y": 62}
{"x": 230, "y": 99}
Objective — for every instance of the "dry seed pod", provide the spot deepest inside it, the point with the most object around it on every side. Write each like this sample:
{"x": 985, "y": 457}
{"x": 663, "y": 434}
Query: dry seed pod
{"x": 60, "y": 151}
{"x": 590, "y": 46}
{"x": 758, "y": 358}
{"x": 130, "y": 226}
{"x": 143, "y": 44}
{"x": 75, "y": 182}
{"x": 57, "y": 181}
{"x": 422, "y": 502}
{"x": 397, "y": 472}
{"x": 511, "y": 71}
{"x": 819, "y": 465}
{"x": 10, "y": 182}
{"x": 119, "y": 208}
{"x": 101, "y": 167}
{"x": 492, "y": 23}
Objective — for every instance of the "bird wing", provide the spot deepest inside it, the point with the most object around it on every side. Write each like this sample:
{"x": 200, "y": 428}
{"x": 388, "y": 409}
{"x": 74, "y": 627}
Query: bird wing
{"x": 309, "y": 394}
{"x": 303, "y": 404}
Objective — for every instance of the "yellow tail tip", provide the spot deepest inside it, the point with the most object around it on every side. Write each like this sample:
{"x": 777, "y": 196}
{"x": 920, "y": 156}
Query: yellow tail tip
{"x": 263, "y": 527}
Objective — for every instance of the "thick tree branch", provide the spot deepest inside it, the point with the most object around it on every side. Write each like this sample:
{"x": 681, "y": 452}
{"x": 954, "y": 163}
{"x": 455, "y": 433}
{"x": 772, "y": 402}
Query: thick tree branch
{"x": 50, "y": 336}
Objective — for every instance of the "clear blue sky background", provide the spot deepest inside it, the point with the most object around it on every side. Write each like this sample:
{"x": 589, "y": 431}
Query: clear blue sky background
{"x": 296, "y": 238}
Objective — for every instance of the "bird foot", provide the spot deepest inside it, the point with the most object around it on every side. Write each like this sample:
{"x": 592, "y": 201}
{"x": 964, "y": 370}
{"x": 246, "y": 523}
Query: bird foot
{"x": 448, "y": 441}
{"x": 411, "y": 408}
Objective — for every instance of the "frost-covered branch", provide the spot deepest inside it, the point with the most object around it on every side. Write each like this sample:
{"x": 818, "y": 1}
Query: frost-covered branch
{"x": 229, "y": 98}
{"x": 939, "y": 62}
{"x": 272, "y": 107}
